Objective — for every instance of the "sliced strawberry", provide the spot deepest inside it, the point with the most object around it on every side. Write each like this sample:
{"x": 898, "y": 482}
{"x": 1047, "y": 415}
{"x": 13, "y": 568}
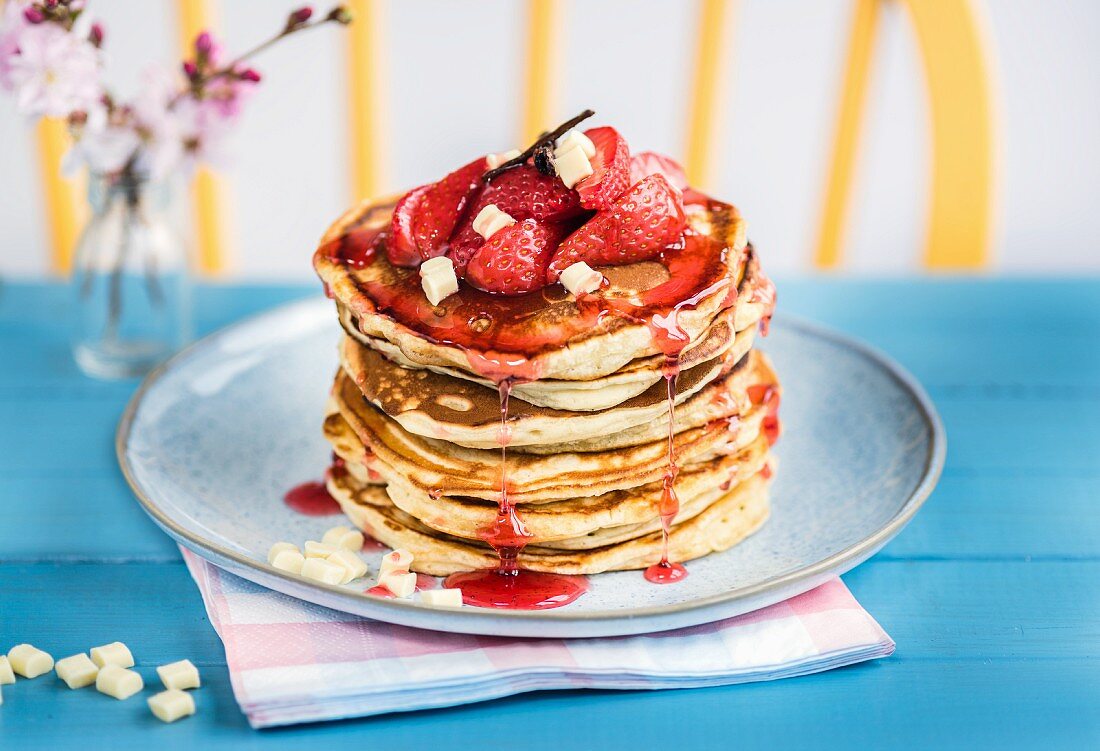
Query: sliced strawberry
{"x": 401, "y": 248}
{"x": 610, "y": 169}
{"x": 441, "y": 206}
{"x": 645, "y": 220}
{"x": 463, "y": 246}
{"x": 646, "y": 163}
{"x": 526, "y": 193}
{"x": 513, "y": 261}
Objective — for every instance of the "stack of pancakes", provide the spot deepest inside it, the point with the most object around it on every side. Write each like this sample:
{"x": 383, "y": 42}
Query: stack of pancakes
{"x": 415, "y": 419}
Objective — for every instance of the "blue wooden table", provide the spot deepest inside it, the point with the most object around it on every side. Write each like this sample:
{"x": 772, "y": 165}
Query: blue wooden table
{"x": 992, "y": 593}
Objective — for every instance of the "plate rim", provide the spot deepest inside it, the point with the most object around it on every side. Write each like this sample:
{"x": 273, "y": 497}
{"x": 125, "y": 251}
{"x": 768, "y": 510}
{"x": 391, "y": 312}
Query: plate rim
{"x": 839, "y": 562}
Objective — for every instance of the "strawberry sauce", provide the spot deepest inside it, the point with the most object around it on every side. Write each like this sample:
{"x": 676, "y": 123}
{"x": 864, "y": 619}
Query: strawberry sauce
{"x": 311, "y": 499}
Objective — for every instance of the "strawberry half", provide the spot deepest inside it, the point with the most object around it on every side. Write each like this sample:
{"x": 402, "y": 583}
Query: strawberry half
{"x": 646, "y": 219}
{"x": 610, "y": 169}
{"x": 526, "y": 193}
{"x": 440, "y": 208}
{"x": 513, "y": 261}
{"x": 646, "y": 163}
{"x": 463, "y": 245}
{"x": 401, "y": 248}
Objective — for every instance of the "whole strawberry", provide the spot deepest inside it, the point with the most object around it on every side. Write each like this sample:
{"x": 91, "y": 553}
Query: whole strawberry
{"x": 610, "y": 169}
{"x": 645, "y": 220}
{"x": 514, "y": 260}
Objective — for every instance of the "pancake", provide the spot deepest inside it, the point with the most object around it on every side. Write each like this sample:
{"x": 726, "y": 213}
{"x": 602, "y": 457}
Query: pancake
{"x": 433, "y": 405}
{"x": 697, "y": 484}
{"x": 600, "y": 393}
{"x": 548, "y": 334}
{"x": 437, "y": 467}
{"x": 724, "y": 523}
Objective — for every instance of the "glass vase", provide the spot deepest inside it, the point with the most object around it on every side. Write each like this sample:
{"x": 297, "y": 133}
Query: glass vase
{"x": 130, "y": 279}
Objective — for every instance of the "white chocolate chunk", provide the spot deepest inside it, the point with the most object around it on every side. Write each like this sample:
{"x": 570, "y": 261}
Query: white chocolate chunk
{"x": 77, "y": 671}
{"x": 118, "y": 682}
{"x": 321, "y": 570}
{"x": 495, "y": 160}
{"x": 491, "y": 220}
{"x": 280, "y": 547}
{"x": 115, "y": 653}
{"x": 171, "y": 705}
{"x": 316, "y": 549}
{"x": 290, "y": 561}
{"x": 354, "y": 566}
{"x": 395, "y": 560}
{"x": 344, "y": 538}
{"x": 572, "y": 166}
{"x": 6, "y": 674}
{"x": 580, "y": 278}
{"x": 438, "y": 279}
{"x": 179, "y": 675}
{"x": 29, "y": 661}
{"x": 445, "y": 598}
{"x": 574, "y": 137}
{"x": 400, "y": 583}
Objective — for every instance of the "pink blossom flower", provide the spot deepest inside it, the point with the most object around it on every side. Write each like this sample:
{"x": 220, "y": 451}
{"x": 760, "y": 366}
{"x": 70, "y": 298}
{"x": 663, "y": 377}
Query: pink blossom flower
{"x": 12, "y": 23}
{"x": 162, "y": 146}
{"x": 54, "y": 73}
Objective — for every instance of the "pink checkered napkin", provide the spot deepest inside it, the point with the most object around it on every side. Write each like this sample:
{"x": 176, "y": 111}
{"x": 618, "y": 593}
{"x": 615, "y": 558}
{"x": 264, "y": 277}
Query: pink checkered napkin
{"x": 291, "y": 661}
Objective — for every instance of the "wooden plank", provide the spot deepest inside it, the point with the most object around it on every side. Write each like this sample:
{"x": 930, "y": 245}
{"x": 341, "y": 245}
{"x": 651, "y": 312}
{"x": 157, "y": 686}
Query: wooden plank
{"x": 990, "y": 655}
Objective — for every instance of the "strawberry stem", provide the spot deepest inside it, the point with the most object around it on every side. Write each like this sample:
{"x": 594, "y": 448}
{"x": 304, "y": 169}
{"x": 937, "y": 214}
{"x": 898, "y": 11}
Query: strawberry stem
{"x": 545, "y": 138}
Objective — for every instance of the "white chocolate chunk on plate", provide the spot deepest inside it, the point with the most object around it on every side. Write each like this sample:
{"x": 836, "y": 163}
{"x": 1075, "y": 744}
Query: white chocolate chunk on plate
{"x": 316, "y": 549}
{"x": 344, "y": 538}
{"x": 354, "y": 566}
{"x": 572, "y": 138}
{"x": 495, "y": 160}
{"x": 29, "y": 661}
{"x": 290, "y": 561}
{"x": 179, "y": 675}
{"x": 395, "y": 560}
{"x": 7, "y": 675}
{"x": 438, "y": 279}
{"x": 580, "y": 278}
{"x": 572, "y": 166}
{"x": 115, "y": 653}
{"x": 399, "y": 583}
{"x": 323, "y": 571}
{"x": 280, "y": 547}
{"x": 171, "y": 705}
{"x": 491, "y": 220}
{"x": 444, "y": 598}
{"x": 119, "y": 682}
{"x": 77, "y": 671}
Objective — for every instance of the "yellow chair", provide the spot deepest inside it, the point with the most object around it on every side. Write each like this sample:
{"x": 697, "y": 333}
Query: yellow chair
{"x": 951, "y": 43}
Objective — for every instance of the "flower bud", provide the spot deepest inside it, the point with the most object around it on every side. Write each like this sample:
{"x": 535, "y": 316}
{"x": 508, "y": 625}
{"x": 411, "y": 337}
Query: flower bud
{"x": 204, "y": 43}
{"x": 249, "y": 74}
{"x": 190, "y": 69}
{"x": 300, "y": 16}
{"x": 51, "y": 3}
{"x": 340, "y": 14}
{"x": 33, "y": 15}
{"x": 95, "y": 36}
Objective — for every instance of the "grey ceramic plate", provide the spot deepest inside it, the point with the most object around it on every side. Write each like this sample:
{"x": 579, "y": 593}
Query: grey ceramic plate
{"x": 214, "y": 438}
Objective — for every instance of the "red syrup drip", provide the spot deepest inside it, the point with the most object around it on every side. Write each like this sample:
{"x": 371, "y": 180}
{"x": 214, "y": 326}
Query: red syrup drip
{"x": 765, "y": 294}
{"x": 508, "y": 586}
{"x": 768, "y": 396}
{"x": 311, "y": 499}
{"x": 665, "y": 571}
{"x": 766, "y": 472}
{"x": 524, "y": 590}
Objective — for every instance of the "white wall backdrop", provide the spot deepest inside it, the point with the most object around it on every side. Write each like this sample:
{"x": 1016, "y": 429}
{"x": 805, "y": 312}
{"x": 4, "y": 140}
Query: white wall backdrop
{"x": 453, "y": 69}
